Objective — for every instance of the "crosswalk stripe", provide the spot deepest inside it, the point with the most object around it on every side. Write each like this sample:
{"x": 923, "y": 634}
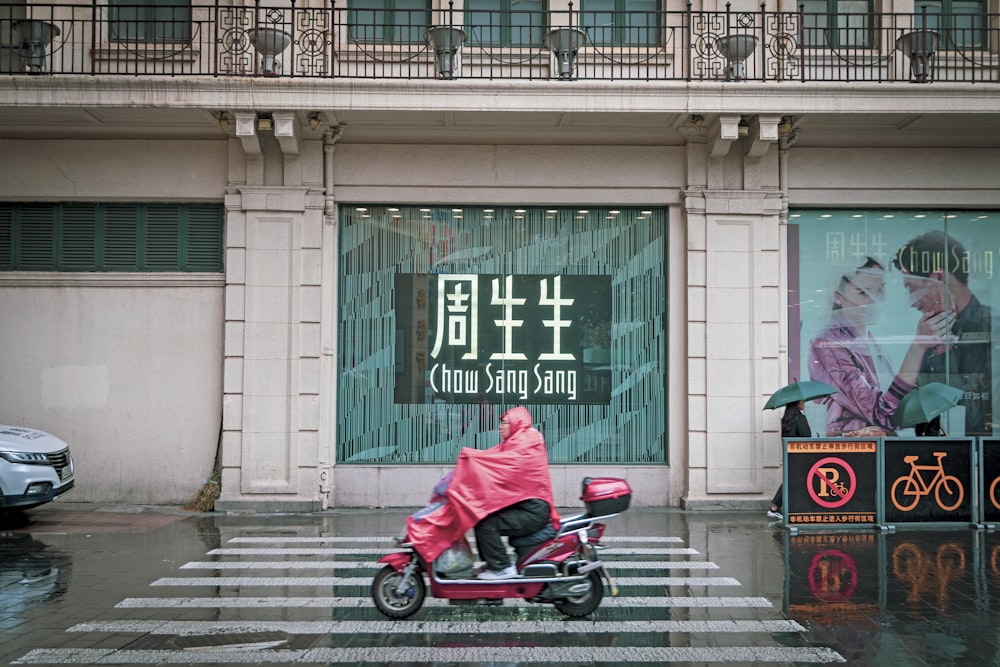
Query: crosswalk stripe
{"x": 618, "y": 551}
{"x": 398, "y": 627}
{"x": 398, "y": 654}
{"x": 669, "y": 539}
{"x": 366, "y": 581}
{"x": 357, "y": 601}
{"x": 617, "y": 566}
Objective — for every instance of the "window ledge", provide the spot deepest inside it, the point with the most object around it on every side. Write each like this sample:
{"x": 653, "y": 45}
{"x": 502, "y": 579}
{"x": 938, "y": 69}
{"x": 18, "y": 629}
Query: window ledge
{"x": 109, "y": 279}
{"x": 152, "y": 52}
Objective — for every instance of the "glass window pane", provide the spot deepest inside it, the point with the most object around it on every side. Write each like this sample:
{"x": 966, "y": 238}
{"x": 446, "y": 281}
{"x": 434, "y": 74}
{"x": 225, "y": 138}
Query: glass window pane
{"x": 425, "y": 369}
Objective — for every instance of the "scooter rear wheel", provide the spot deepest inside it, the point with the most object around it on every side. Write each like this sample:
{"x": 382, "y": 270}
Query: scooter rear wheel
{"x": 389, "y": 602}
{"x": 585, "y": 603}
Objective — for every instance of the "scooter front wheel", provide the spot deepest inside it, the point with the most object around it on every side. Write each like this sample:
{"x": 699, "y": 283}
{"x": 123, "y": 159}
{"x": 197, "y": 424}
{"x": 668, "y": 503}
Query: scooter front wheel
{"x": 586, "y": 602}
{"x": 391, "y": 603}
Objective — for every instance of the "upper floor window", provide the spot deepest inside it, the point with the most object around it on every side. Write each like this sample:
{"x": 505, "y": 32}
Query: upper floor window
{"x": 149, "y": 21}
{"x": 832, "y": 24}
{"x": 960, "y": 24}
{"x": 77, "y": 236}
{"x": 507, "y": 23}
{"x": 389, "y": 21}
{"x": 621, "y": 22}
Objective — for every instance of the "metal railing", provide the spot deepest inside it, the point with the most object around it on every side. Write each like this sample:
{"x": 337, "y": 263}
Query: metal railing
{"x": 337, "y": 41}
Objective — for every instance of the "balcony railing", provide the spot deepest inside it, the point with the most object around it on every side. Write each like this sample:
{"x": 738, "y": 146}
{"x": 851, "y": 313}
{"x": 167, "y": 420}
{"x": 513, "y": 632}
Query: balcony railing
{"x": 337, "y": 41}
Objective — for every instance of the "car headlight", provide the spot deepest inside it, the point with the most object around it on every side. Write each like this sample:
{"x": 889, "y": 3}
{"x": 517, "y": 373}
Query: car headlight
{"x": 25, "y": 457}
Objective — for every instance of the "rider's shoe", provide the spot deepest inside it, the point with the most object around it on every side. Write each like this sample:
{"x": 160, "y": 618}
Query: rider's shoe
{"x": 490, "y": 575}
{"x": 775, "y": 514}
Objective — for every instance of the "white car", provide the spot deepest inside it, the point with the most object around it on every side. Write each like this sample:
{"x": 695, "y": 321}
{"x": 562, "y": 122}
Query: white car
{"x": 35, "y": 467}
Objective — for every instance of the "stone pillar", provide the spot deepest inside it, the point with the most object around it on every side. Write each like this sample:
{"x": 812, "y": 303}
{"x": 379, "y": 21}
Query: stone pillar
{"x": 272, "y": 458}
{"x": 732, "y": 206}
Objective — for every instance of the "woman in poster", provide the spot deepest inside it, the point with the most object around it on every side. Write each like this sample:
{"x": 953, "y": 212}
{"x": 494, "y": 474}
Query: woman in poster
{"x": 846, "y": 356}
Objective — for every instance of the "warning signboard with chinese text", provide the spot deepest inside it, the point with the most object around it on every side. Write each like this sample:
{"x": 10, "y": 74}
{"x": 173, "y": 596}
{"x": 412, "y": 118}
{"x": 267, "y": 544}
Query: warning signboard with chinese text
{"x": 831, "y": 482}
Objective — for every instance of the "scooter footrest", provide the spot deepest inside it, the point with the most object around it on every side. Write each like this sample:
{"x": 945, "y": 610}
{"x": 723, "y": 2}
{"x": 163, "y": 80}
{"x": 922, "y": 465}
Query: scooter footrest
{"x": 583, "y": 569}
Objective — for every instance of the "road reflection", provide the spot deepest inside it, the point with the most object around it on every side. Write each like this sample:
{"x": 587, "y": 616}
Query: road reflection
{"x": 923, "y": 595}
{"x": 31, "y": 574}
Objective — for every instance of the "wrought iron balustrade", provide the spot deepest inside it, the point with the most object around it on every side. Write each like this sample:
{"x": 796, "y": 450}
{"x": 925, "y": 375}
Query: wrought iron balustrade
{"x": 337, "y": 41}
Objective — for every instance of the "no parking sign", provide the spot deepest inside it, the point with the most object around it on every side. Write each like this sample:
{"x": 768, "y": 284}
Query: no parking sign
{"x": 831, "y": 482}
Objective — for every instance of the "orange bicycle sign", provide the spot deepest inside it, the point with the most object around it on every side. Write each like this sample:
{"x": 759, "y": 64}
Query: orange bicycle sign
{"x": 831, "y": 482}
{"x": 908, "y": 489}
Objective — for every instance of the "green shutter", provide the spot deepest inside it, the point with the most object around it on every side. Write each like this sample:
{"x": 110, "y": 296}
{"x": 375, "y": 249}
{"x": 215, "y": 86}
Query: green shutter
{"x": 121, "y": 242}
{"x": 79, "y": 236}
{"x": 78, "y": 251}
{"x": 203, "y": 242}
{"x": 6, "y": 238}
{"x": 38, "y": 238}
{"x": 162, "y": 235}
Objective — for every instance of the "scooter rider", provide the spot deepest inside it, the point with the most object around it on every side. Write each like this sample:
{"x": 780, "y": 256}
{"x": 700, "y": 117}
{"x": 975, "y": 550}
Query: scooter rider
{"x": 505, "y": 490}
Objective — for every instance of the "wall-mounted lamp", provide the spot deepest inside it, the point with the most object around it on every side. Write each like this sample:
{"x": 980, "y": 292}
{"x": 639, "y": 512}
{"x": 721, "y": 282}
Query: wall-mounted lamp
{"x": 35, "y": 38}
{"x": 445, "y": 41}
{"x": 785, "y": 126}
{"x": 919, "y": 46}
{"x": 314, "y": 120}
{"x": 743, "y": 129}
{"x": 564, "y": 44}
{"x": 697, "y": 121}
{"x": 265, "y": 122}
{"x": 223, "y": 120}
{"x": 736, "y": 49}
{"x": 269, "y": 42}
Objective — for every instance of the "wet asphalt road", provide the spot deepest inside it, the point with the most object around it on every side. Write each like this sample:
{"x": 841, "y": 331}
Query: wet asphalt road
{"x": 92, "y": 584}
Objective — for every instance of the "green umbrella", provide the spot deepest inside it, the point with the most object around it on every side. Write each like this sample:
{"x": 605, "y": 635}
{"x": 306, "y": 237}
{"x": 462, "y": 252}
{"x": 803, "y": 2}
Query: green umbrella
{"x": 925, "y": 403}
{"x": 806, "y": 390}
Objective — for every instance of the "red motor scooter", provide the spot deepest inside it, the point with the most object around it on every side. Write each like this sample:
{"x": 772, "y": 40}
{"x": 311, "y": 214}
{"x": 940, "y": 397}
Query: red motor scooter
{"x": 563, "y": 569}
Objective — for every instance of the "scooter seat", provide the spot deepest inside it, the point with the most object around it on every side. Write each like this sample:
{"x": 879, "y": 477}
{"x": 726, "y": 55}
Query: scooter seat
{"x": 539, "y": 536}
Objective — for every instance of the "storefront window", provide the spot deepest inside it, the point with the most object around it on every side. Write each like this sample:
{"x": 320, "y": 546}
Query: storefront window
{"x": 451, "y": 315}
{"x": 883, "y": 300}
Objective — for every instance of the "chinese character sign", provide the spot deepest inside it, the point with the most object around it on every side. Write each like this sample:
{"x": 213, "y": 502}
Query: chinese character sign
{"x": 469, "y": 338}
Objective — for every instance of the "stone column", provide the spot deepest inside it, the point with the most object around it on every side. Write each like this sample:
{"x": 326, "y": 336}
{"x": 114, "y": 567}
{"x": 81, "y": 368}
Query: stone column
{"x": 271, "y": 455}
{"x": 732, "y": 206}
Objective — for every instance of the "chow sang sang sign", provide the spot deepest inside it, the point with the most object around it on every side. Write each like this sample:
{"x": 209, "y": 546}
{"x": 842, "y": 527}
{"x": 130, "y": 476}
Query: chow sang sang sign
{"x": 473, "y": 338}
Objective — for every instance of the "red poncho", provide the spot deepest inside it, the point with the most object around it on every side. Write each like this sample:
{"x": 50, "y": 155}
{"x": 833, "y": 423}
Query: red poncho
{"x": 486, "y": 481}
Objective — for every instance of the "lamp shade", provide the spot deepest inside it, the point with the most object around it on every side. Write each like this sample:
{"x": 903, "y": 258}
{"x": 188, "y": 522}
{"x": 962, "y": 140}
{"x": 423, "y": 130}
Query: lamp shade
{"x": 564, "y": 43}
{"x": 445, "y": 41}
{"x": 560, "y": 40}
{"x": 919, "y": 42}
{"x": 269, "y": 42}
{"x": 35, "y": 37}
{"x": 736, "y": 48}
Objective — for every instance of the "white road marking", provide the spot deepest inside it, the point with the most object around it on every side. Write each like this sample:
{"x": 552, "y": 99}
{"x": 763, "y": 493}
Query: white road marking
{"x": 402, "y": 627}
{"x": 437, "y": 655}
{"x": 613, "y": 566}
{"x": 366, "y": 581}
{"x": 318, "y": 551}
{"x": 251, "y": 602}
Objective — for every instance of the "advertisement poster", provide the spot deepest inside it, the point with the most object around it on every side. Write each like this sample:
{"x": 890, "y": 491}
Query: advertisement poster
{"x": 882, "y": 301}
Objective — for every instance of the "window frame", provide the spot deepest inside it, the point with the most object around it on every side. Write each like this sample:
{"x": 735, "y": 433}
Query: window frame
{"x": 151, "y": 17}
{"x": 622, "y": 29}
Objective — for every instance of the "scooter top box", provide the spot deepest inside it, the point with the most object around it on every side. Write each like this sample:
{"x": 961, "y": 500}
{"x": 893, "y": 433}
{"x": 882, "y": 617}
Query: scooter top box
{"x": 606, "y": 495}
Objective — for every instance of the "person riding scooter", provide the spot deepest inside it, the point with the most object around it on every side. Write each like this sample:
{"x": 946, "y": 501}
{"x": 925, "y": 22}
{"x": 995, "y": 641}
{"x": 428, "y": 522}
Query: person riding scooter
{"x": 505, "y": 490}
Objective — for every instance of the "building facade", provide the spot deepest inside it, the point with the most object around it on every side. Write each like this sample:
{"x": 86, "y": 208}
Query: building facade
{"x": 326, "y": 246}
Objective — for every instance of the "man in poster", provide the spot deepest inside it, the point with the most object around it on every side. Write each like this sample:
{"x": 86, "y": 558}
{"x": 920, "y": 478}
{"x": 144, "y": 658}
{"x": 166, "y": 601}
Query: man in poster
{"x": 935, "y": 269}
